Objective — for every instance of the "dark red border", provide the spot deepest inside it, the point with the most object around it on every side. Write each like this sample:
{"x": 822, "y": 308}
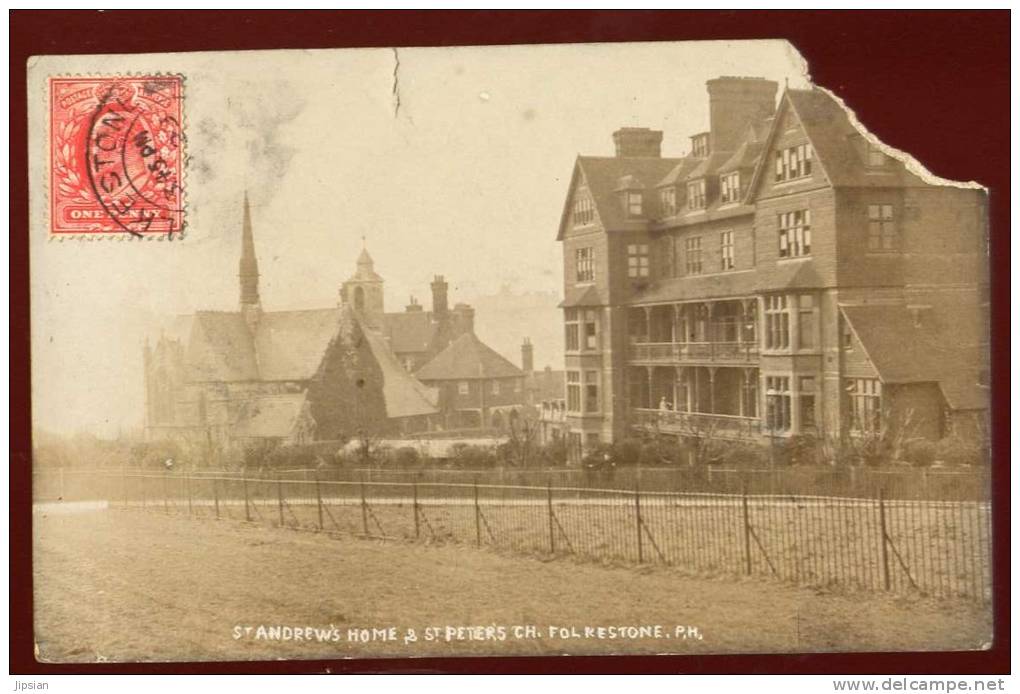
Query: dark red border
{"x": 935, "y": 84}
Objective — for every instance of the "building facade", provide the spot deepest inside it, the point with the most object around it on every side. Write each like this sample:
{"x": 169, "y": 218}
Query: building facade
{"x": 785, "y": 277}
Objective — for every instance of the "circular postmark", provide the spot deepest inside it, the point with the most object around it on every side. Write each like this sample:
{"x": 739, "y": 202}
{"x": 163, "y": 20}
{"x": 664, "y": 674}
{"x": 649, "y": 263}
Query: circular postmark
{"x": 133, "y": 155}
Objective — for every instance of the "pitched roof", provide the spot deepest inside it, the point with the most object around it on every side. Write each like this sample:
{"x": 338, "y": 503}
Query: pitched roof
{"x": 839, "y": 147}
{"x": 903, "y": 352}
{"x": 679, "y": 173}
{"x": 582, "y": 296}
{"x": 220, "y": 348}
{"x": 709, "y": 165}
{"x": 290, "y": 345}
{"x": 467, "y": 358}
{"x": 411, "y": 331}
{"x": 270, "y": 416}
{"x": 746, "y": 157}
{"x": 899, "y": 350}
{"x": 405, "y": 396}
{"x": 603, "y": 175}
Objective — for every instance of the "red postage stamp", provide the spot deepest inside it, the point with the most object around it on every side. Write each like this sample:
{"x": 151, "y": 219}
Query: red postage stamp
{"x": 116, "y": 155}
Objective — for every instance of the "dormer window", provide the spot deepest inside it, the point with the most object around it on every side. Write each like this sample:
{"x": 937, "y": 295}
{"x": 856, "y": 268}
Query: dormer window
{"x": 667, "y": 201}
{"x": 696, "y": 195}
{"x": 699, "y": 145}
{"x": 793, "y": 162}
{"x": 729, "y": 185}
{"x": 634, "y": 200}
{"x": 584, "y": 211}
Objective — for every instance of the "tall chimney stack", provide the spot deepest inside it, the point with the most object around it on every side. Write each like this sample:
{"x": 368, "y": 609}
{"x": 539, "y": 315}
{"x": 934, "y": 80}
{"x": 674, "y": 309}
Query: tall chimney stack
{"x": 638, "y": 142}
{"x": 440, "y": 301}
{"x": 733, "y": 102}
{"x": 527, "y": 356}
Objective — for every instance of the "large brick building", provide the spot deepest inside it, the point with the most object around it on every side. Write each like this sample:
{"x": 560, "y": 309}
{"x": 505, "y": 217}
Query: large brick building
{"x": 785, "y": 277}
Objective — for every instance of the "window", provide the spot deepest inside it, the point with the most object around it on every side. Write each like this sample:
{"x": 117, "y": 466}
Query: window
{"x": 807, "y": 403}
{"x": 848, "y": 336}
{"x": 865, "y": 396}
{"x": 495, "y": 387}
{"x": 699, "y": 145}
{"x": 573, "y": 342}
{"x": 795, "y": 234}
{"x": 692, "y": 255}
{"x": 591, "y": 391}
{"x": 517, "y": 385}
{"x": 726, "y": 245}
{"x": 696, "y": 194}
{"x": 793, "y": 162}
{"x": 573, "y": 391}
{"x": 667, "y": 200}
{"x": 777, "y": 403}
{"x": 585, "y": 264}
{"x": 634, "y": 201}
{"x": 777, "y": 322}
{"x": 637, "y": 260}
{"x": 730, "y": 187}
{"x": 808, "y": 323}
{"x": 584, "y": 210}
{"x": 463, "y": 388}
{"x": 882, "y": 234}
{"x": 876, "y": 157}
{"x": 591, "y": 335}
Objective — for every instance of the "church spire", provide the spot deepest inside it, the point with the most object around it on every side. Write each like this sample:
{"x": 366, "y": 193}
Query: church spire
{"x": 248, "y": 271}
{"x": 249, "y": 268}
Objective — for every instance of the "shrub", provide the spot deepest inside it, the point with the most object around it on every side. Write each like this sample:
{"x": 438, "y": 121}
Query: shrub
{"x": 744, "y": 454}
{"x": 628, "y": 452}
{"x": 921, "y": 452}
{"x": 801, "y": 450}
{"x": 554, "y": 453}
{"x": 465, "y": 456}
{"x": 954, "y": 450}
{"x": 406, "y": 457}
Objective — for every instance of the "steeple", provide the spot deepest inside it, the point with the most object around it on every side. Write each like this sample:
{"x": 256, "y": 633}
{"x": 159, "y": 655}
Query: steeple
{"x": 363, "y": 291}
{"x": 248, "y": 271}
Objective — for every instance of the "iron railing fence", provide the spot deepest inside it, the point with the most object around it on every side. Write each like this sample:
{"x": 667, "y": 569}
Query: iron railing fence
{"x": 938, "y": 548}
{"x": 936, "y": 484}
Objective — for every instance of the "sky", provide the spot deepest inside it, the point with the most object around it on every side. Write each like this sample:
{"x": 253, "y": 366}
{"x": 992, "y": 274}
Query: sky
{"x": 451, "y": 161}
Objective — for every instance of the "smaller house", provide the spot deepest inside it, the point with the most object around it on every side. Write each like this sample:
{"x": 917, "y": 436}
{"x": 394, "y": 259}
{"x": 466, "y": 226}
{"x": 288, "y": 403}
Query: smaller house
{"x": 283, "y": 419}
{"x": 478, "y": 388}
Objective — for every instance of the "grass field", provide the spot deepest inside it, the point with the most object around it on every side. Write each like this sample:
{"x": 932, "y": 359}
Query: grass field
{"x": 123, "y": 585}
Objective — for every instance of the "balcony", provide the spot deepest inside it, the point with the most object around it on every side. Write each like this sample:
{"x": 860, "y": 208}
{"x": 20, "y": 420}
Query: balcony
{"x": 695, "y": 424}
{"x": 693, "y": 352}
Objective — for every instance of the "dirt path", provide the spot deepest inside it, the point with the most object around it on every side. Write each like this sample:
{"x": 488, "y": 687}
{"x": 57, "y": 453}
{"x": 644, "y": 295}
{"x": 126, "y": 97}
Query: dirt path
{"x": 129, "y": 585}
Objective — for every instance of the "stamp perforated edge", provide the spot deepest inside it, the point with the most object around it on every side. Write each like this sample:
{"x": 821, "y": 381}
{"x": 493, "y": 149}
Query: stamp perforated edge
{"x": 113, "y": 236}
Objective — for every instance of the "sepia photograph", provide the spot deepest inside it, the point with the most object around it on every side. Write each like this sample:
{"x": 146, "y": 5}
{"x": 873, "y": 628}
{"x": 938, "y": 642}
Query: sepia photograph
{"x": 581, "y": 349}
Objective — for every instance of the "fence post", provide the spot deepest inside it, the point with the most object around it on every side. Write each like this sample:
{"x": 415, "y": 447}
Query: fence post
{"x": 279, "y": 496}
{"x": 364, "y": 507}
{"x": 166, "y": 503}
{"x": 62, "y": 494}
{"x": 885, "y": 548}
{"x": 414, "y": 506}
{"x": 216, "y": 496}
{"x": 478, "y": 517}
{"x": 747, "y": 532}
{"x": 124, "y": 485}
{"x": 247, "y": 510}
{"x": 318, "y": 498}
{"x": 187, "y": 485}
{"x": 637, "y": 522}
{"x": 552, "y": 532}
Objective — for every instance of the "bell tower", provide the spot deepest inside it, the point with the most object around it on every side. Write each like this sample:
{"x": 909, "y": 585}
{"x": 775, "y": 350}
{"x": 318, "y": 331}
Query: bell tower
{"x": 363, "y": 291}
